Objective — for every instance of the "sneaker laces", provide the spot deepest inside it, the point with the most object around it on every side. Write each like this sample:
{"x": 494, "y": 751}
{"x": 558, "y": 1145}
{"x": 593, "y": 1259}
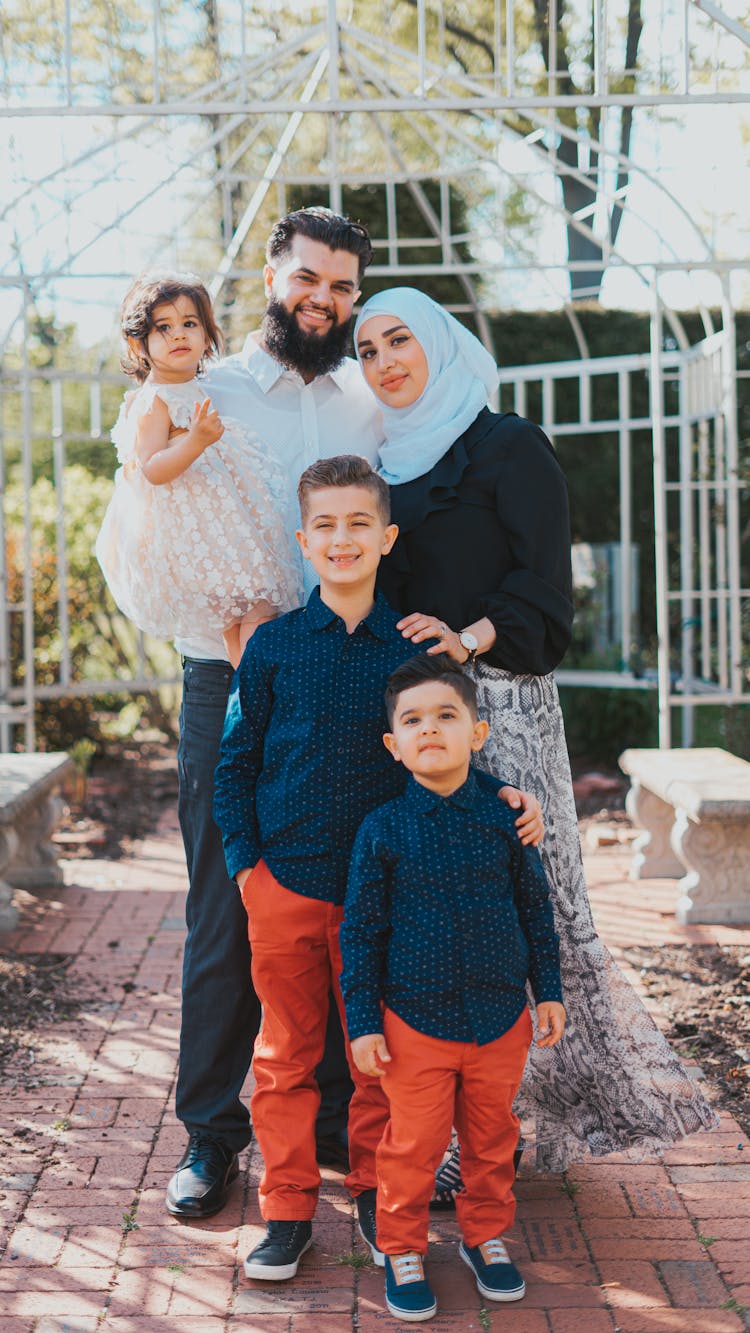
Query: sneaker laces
{"x": 407, "y": 1268}
{"x": 286, "y": 1232}
{"x": 494, "y": 1252}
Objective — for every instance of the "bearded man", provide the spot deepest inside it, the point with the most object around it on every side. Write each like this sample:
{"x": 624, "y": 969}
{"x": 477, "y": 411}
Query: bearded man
{"x": 293, "y": 386}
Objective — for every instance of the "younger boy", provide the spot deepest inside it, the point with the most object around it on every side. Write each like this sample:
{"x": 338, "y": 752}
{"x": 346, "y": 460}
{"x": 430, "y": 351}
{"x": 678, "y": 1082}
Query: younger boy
{"x": 447, "y": 916}
{"x": 302, "y": 763}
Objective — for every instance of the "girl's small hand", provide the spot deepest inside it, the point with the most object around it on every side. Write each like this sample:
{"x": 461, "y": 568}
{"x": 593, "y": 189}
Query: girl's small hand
{"x": 206, "y": 426}
{"x": 418, "y": 627}
{"x": 550, "y": 1017}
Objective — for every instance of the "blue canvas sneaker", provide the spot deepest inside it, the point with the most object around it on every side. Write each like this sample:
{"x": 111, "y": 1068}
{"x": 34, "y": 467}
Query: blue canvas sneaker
{"x": 497, "y": 1276}
{"x": 408, "y": 1294}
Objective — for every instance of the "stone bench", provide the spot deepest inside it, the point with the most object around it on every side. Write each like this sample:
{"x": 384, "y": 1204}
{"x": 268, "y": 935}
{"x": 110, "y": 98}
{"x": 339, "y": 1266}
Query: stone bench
{"x": 694, "y": 808}
{"x": 30, "y": 806}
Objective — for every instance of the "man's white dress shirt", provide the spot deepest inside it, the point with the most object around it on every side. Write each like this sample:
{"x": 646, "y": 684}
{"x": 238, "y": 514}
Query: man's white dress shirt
{"x": 333, "y": 414}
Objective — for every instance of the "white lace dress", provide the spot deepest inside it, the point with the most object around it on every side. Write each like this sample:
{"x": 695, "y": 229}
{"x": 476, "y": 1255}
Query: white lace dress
{"x": 194, "y": 555}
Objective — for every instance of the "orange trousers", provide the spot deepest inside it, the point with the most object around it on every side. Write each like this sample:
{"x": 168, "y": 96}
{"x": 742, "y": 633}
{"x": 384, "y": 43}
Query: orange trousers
{"x": 431, "y": 1086}
{"x": 296, "y": 960}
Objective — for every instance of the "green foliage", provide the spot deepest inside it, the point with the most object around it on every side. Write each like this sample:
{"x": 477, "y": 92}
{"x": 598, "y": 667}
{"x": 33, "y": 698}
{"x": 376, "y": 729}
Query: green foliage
{"x": 601, "y": 723}
{"x": 52, "y": 348}
{"x": 102, "y": 643}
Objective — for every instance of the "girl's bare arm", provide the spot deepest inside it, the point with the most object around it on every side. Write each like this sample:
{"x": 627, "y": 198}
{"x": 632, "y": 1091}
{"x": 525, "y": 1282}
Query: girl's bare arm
{"x": 163, "y": 458}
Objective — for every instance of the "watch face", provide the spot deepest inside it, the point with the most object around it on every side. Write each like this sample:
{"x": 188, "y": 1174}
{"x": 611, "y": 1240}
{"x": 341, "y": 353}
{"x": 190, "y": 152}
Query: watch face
{"x": 469, "y": 641}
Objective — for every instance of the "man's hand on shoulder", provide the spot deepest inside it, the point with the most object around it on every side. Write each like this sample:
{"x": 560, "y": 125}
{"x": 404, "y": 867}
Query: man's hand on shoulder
{"x": 530, "y": 824}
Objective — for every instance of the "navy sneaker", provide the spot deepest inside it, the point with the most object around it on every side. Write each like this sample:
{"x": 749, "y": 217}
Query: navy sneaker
{"x": 366, "y": 1224}
{"x": 408, "y": 1294}
{"x": 278, "y": 1254}
{"x": 497, "y": 1276}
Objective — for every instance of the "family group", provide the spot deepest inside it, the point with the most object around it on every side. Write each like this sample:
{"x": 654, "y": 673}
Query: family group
{"x": 366, "y": 571}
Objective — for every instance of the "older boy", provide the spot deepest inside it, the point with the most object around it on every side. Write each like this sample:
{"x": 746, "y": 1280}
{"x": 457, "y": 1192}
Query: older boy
{"x": 301, "y": 764}
{"x": 438, "y": 874}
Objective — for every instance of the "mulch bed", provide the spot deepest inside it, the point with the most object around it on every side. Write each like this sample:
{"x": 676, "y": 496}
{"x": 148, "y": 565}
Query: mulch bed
{"x": 36, "y": 992}
{"x": 126, "y": 793}
{"x": 705, "y": 992}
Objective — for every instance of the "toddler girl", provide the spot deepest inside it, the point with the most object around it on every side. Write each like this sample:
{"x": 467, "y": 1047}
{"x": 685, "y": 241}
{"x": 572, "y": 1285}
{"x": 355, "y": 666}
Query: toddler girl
{"x": 194, "y": 538}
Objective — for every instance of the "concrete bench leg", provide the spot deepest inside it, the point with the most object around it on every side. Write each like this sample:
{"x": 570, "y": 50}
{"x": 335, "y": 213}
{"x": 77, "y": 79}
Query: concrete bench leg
{"x": 35, "y": 863}
{"x": 8, "y": 849}
{"x": 653, "y": 857}
{"x": 717, "y": 857}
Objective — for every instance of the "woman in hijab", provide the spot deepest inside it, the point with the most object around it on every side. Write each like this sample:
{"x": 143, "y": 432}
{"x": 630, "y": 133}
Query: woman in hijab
{"x": 484, "y": 552}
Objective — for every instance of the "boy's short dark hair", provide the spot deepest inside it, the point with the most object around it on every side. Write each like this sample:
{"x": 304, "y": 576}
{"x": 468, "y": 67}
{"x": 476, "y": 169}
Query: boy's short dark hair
{"x": 424, "y": 668}
{"x": 320, "y": 224}
{"x": 343, "y": 470}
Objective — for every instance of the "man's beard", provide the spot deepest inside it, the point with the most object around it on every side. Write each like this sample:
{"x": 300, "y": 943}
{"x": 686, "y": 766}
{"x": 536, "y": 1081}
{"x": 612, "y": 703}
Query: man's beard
{"x": 310, "y": 354}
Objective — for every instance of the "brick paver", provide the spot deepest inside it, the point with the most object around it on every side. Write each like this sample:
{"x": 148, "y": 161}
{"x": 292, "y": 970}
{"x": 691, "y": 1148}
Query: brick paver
{"x": 90, "y": 1140}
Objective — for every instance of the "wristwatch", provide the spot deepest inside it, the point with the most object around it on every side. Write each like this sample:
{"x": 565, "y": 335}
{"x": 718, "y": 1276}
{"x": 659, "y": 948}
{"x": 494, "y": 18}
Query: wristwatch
{"x": 471, "y": 644}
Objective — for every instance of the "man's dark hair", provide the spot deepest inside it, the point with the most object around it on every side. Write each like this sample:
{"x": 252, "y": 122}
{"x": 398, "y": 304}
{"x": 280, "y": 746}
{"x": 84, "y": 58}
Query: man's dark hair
{"x": 423, "y": 668}
{"x": 343, "y": 470}
{"x": 320, "y": 224}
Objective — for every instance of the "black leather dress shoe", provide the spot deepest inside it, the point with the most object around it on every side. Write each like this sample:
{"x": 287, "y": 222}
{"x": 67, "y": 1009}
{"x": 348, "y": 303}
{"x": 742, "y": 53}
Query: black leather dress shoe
{"x": 333, "y": 1150}
{"x": 199, "y": 1186}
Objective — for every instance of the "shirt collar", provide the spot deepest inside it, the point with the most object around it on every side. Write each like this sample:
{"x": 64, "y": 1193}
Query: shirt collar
{"x": 425, "y": 800}
{"x": 381, "y": 621}
{"x": 266, "y": 370}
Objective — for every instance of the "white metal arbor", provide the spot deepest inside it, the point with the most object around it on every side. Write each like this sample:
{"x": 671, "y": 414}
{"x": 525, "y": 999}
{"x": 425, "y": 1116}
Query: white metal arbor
{"x": 178, "y": 134}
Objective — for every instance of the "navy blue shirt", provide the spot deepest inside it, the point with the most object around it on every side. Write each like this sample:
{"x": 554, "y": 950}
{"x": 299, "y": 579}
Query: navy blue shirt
{"x": 447, "y": 916}
{"x": 302, "y": 755}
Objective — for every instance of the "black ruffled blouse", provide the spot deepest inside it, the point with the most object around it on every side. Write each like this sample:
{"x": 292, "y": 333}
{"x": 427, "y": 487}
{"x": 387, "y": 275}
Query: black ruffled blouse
{"x": 486, "y": 533}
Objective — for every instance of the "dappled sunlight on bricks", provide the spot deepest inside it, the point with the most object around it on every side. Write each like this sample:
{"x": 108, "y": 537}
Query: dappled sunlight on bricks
{"x": 160, "y": 1290}
{"x": 157, "y": 1247}
{"x": 90, "y": 1247}
{"x": 61, "y": 1303}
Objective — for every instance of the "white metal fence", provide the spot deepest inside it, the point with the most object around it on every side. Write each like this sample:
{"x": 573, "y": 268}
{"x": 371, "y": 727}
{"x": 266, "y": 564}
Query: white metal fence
{"x": 48, "y": 414}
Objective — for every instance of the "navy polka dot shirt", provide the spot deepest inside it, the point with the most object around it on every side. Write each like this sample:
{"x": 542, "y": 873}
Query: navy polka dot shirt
{"x": 447, "y": 917}
{"x": 302, "y": 756}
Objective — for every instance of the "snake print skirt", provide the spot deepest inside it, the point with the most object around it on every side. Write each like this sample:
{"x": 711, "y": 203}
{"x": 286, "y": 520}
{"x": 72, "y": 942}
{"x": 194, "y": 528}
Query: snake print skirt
{"x": 613, "y": 1082}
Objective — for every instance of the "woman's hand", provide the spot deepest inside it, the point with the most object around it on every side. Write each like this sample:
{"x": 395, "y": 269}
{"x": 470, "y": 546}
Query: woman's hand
{"x": 418, "y": 627}
{"x": 370, "y": 1053}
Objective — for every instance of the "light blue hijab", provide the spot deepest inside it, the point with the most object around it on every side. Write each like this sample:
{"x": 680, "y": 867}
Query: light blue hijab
{"x": 462, "y": 375}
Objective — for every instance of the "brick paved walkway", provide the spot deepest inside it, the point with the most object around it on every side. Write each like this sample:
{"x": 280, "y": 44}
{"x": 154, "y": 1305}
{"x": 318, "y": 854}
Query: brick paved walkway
{"x": 86, "y": 1243}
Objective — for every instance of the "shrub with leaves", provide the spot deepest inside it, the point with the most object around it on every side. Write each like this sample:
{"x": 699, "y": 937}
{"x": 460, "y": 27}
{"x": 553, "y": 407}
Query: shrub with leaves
{"x": 103, "y": 644}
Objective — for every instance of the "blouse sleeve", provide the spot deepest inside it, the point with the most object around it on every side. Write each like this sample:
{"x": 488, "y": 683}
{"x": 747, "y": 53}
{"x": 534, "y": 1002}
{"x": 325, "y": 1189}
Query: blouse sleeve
{"x": 532, "y": 609}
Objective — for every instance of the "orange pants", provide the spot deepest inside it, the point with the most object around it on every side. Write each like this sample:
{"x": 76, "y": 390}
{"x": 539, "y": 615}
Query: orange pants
{"x": 432, "y": 1085}
{"x": 296, "y": 960}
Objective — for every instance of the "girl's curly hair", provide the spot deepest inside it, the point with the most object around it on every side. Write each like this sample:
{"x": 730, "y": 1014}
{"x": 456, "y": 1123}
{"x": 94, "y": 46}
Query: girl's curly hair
{"x": 137, "y": 315}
